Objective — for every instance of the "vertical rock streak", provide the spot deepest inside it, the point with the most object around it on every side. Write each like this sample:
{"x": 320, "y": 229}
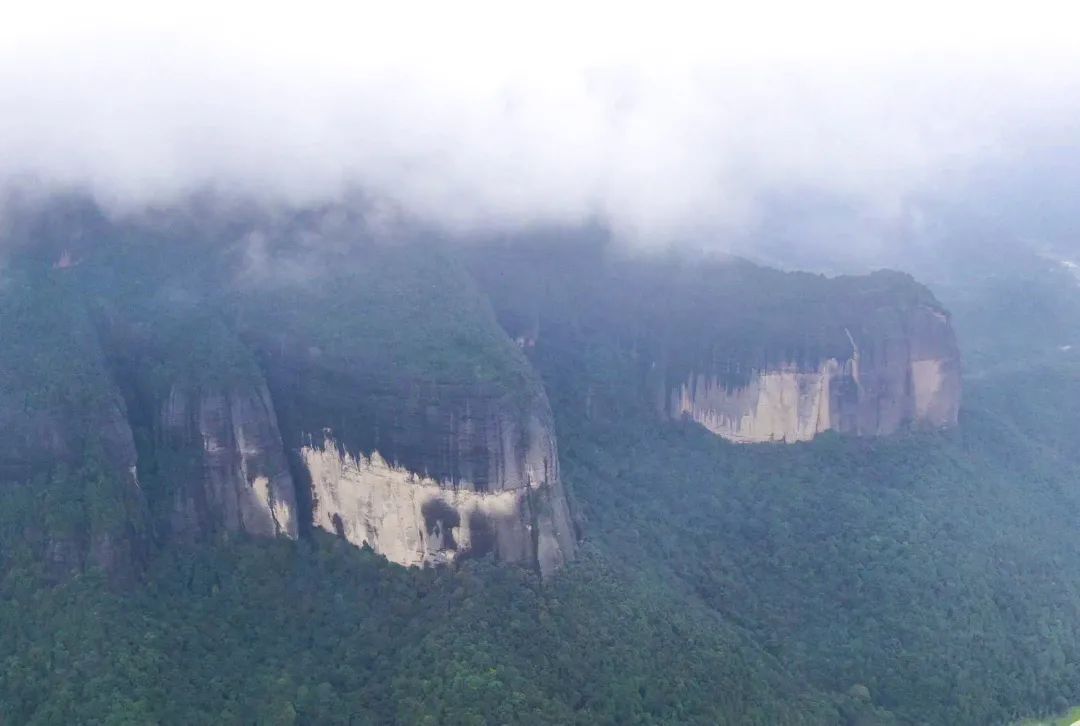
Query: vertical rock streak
{"x": 241, "y": 481}
{"x": 519, "y": 512}
{"x": 890, "y": 381}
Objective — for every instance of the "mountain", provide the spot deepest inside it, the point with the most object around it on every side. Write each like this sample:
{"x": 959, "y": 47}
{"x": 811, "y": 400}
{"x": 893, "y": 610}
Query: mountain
{"x": 68, "y": 462}
{"x": 417, "y": 425}
{"x": 372, "y": 394}
{"x": 375, "y": 398}
{"x": 309, "y": 404}
{"x": 750, "y": 353}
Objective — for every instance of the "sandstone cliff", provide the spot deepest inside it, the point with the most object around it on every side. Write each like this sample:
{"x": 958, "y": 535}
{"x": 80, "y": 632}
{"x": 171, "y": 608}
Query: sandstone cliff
{"x": 512, "y": 506}
{"x": 238, "y": 478}
{"x": 415, "y": 425}
{"x": 211, "y": 452}
{"x": 752, "y": 354}
{"x": 69, "y": 488}
{"x": 902, "y": 370}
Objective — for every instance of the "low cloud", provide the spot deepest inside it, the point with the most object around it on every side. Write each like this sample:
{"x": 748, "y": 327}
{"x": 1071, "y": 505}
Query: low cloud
{"x": 471, "y": 123}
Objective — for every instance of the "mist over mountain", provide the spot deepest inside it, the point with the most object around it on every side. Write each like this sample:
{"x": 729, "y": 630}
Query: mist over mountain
{"x": 479, "y": 363}
{"x": 825, "y": 142}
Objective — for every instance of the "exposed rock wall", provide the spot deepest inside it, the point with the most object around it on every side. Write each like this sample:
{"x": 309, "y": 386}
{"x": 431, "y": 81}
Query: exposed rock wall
{"x": 410, "y": 519}
{"x": 749, "y": 352}
{"x": 903, "y": 369}
{"x": 54, "y": 447}
{"x": 776, "y": 405}
{"x": 68, "y": 476}
{"x": 240, "y": 480}
{"x": 515, "y": 507}
{"x": 422, "y": 427}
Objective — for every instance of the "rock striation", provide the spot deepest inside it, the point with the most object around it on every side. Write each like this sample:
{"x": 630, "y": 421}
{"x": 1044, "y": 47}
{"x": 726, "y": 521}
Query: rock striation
{"x": 414, "y": 424}
{"x": 753, "y": 354}
{"x": 515, "y": 509}
{"x": 901, "y": 375}
{"x": 69, "y": 488}
{"x": 426, "y": 473}
{"x": 237, "y": 476}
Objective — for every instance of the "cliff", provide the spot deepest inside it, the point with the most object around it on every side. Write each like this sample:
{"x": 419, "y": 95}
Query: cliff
{"x": 237, "y": 478}
{"x": 418, "y": 426}
{"x": 371, "y": 390}
{"x": 69, "y": 488}
{"x": 408, "y": 419}
{"x": 211, "y": 456}
{"x": 512, "y": 506}
{"x": 902, "y": 370}
{"x": 750, "y": 353}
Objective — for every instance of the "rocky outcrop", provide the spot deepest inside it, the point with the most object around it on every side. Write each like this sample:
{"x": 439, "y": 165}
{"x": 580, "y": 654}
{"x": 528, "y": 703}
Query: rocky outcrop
{"x": 902, "y": 370}
{"x": 783, "y": 404}
{"x": 437, "y": 473}
{"x": 236, "y": 476}
{"x": 60, "y": 456}
{"x": 203, "y": 414}
{"x": 69, "y": 485}
{"x": 415, "y": 423}
{"x": 413, "y": 519}
{"x": 753, "y": 354}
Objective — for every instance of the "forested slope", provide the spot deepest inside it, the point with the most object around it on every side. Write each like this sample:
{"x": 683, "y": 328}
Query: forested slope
{"x": 936, "y": 569}
{"x": 922, "y": 578}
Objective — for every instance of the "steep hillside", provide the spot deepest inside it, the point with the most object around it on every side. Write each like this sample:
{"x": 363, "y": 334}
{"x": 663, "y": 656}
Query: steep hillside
{"x": 922, "y": 577}
{"x": 69, "y": 492}
{"x": 750, "y": 353}
{"x": 419, "y": 426}
{"x": 270, "y": 387}
{"x": 211, "y": 458}
{"x": 933, "y": 568}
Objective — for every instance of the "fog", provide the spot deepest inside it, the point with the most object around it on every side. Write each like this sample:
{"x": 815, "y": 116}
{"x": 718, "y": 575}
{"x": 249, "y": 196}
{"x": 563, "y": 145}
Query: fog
{"x": 753, "y": 131}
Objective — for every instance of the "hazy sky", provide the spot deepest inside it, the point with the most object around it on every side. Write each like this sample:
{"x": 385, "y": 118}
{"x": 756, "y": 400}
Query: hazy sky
{"x": 673, "y": 121}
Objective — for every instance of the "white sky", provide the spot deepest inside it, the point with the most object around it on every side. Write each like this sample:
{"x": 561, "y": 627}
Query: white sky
{"x": 525, "y": 35}
{"x": 660, "y": 119}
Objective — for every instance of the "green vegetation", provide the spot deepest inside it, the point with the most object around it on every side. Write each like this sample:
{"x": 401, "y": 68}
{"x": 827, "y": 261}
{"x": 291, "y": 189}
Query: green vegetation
{"x": 318, "y": 632}
{"x": 928, "y": 578}
{"x": 50, "y": 356}
{"x": 717, "y": 584}
{"x": 932, "y": 568}
{"x": 61, "y": 497}
{"x": 158, "y": 308}
{"x": 70, "y": 517}
{"x": 1065, "y": 719}
{"x": 399, "y": 312}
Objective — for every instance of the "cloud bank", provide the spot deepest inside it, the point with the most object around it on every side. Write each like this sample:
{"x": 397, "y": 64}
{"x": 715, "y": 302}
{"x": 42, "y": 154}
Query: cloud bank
{"x": 687, "y": 122}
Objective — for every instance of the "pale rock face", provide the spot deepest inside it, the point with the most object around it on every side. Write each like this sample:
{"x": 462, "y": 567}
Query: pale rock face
{"x": 241, "y": 482}
{"x": 408, "y": 518}
{"x": 928, "y": 379}
{"x": 412, "y": 519}
{"x": 906, "y": 377}
{"x": 777, "y": 405}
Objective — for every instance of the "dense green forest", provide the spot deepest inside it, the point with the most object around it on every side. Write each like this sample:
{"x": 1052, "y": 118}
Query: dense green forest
{"x": 927, "y": 578}
{"x": 935, "y": 569}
